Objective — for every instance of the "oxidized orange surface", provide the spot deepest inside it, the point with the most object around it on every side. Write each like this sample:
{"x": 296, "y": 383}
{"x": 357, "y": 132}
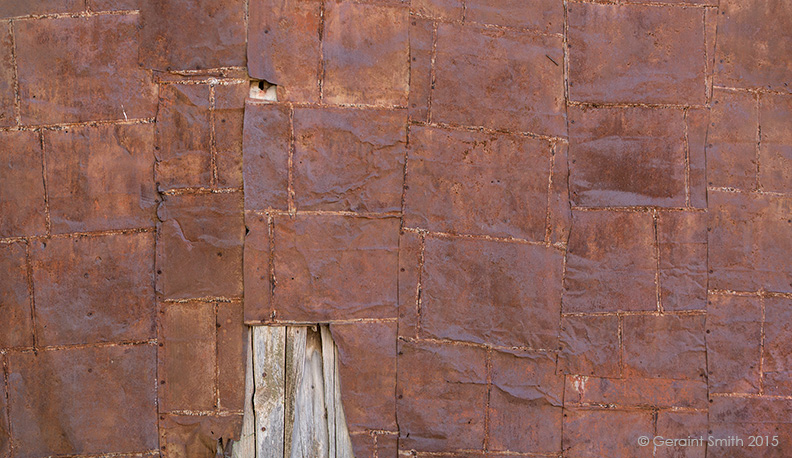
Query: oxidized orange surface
{"x": 536, "y": 227}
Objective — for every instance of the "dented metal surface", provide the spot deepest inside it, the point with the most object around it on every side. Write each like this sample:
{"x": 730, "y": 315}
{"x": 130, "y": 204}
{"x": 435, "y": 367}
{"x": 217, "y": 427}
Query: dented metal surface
{"x": 538, "y": 227}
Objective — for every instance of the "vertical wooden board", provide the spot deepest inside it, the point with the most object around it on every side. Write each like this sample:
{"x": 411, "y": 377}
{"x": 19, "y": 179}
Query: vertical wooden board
{"x": 340, "y": 442}
{"x": 343, "y": 441}
{"x": 310, "y": 439}
{"x": 296, "y": 409}
{"x": 269, "y": 346}
{"x": 246, "y": 446}
{"x": 295, "y": 364}
{"x": 328, "y": 360}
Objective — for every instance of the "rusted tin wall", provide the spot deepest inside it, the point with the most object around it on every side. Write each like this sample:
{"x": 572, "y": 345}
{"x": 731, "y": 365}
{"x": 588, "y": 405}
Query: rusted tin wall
{"x": 536, "y": 228}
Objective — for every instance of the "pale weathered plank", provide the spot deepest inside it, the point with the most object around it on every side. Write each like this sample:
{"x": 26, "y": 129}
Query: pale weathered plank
{"x": 328, "y": 360}
{"x": 309, "y": 438}
{"x": 295, "y": 364}
{"x": 340, "y": 443}
{"x": 296, "y": 409}
{"x": 245, "y": 447}
{"x": 343, "y": 441}
{"x": 269, "y": 346}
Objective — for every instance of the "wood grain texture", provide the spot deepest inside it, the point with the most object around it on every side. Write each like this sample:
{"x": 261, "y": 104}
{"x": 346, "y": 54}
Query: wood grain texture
{"x": 340, "y": 443}
{"x": 310, "y": 437}
{"x": 269, "y": 346}
{"x": 295, "y": 362}
{"x": 293, "y": 384}
{"x": 246, "y": 446}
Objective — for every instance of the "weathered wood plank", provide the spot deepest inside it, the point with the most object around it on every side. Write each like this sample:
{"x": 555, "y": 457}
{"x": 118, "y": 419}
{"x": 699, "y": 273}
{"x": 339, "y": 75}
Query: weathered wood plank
{"x": 309, "y": 438}
{"x": 295, "y": 364}
{"x": 296, "y": 409}
{"x": 245, "y": 447}
{"x": 269, "y": 346}
{"x": 340, "y": 442}
{"x": 328, "y": 360}
{"x": 343, "y": 441}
